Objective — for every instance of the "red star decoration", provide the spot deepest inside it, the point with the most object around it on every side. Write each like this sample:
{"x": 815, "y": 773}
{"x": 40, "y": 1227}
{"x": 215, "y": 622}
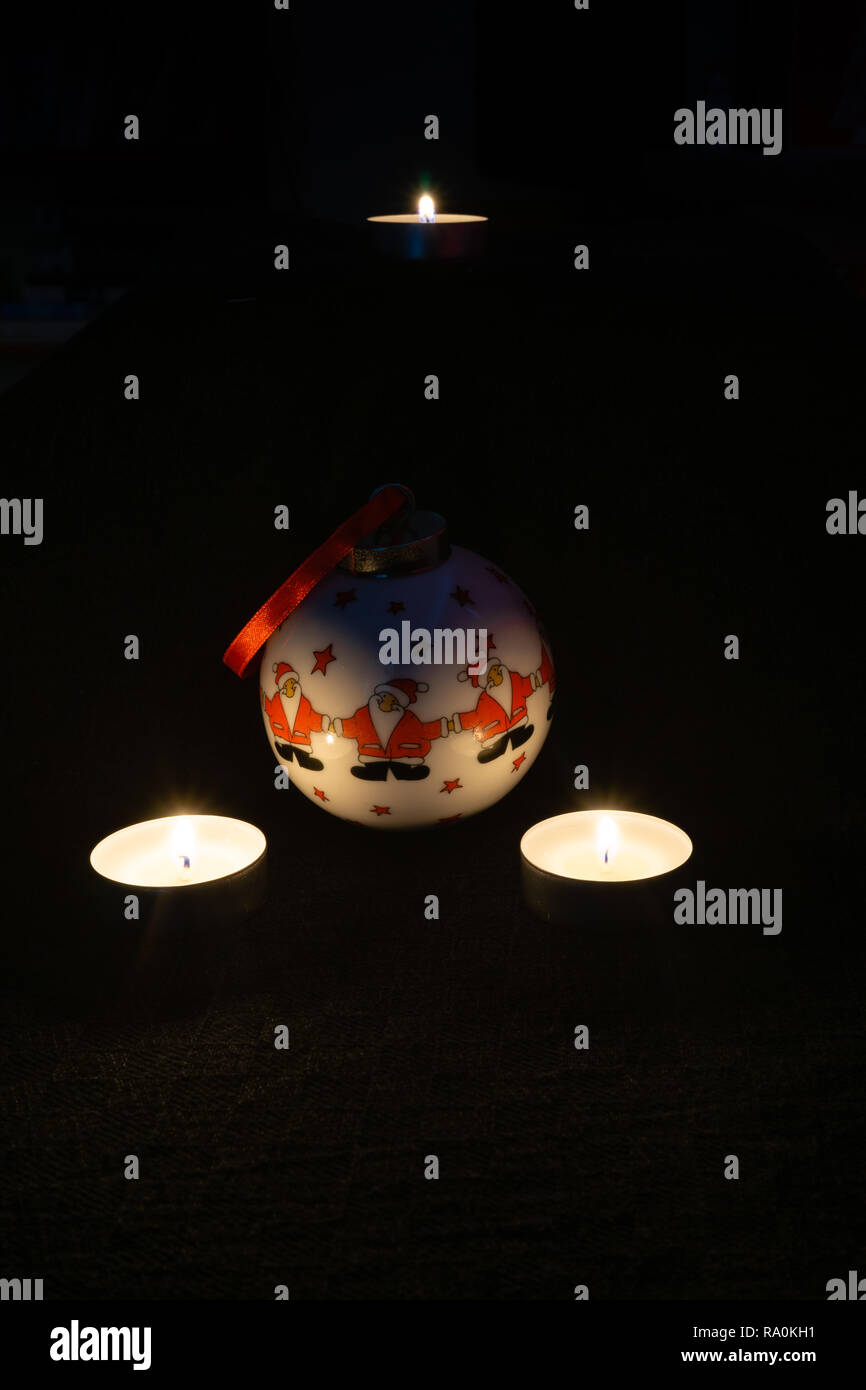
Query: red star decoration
{"x": 517, "y": 761}
{"x": 500, "y": 578}
{"x": 321, "y": 794}
{"x": 381, "y": 810}
{"x": 396, "y": 606}
{"x": 446, "y": 820}
{"x": 345, "y": 596}
{"x": 322, "y": 659}
{"x": 451, "y": 786}
{"x": 462, "y": 596}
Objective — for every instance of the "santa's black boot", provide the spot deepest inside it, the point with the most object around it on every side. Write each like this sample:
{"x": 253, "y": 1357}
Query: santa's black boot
{"x": 310, "y": 763}
{"x": 371, "y": 772}
{"x": 415, "y": 773}
{"x": 495, "y": 752}
{"x": 521, "y": 735}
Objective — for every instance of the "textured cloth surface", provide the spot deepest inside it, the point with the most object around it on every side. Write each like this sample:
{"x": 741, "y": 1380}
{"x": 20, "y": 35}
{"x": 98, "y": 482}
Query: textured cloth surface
{"x": 455, "y": 1037}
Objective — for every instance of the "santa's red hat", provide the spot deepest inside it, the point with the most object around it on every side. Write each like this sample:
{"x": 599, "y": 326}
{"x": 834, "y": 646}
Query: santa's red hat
{"x": 282, "y": 671}
{"x": 403, "y": 689}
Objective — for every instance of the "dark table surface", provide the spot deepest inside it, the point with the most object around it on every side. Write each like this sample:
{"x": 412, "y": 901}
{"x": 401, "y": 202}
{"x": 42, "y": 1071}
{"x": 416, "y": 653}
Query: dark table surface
{"x": 455, "y": 1037}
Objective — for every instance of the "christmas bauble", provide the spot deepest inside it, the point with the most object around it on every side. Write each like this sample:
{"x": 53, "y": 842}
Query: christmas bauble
{"x": 375, "y": 693}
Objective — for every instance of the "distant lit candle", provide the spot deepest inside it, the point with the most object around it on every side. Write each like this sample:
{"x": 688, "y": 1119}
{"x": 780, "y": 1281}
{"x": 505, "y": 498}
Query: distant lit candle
{"x": 178, "y": 851}
{"x": 428, "y": 234}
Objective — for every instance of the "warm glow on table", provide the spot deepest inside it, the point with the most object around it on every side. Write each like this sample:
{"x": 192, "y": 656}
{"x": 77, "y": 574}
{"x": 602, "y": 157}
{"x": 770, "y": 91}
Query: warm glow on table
{"x": 177, "y": 851}
{"x": 605, "y": 846}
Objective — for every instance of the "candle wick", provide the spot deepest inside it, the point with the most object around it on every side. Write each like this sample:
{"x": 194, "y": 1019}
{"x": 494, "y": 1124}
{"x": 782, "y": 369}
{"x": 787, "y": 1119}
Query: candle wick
{"x": 185, "y": 860}
{"x": 606, "y": 853}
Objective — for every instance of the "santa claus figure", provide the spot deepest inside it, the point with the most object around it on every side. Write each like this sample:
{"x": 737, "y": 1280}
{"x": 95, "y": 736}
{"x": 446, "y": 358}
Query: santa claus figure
{"x": 501, "y": 715}
{"x": 390, "y": 735}
{"x": 292, "y": 718}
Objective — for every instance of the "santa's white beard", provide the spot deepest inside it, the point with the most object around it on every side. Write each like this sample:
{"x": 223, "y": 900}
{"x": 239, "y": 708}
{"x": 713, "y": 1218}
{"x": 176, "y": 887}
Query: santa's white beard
{"x": 290, "y": 707}
{"x": 384, "y": 721}
{"x": 502, "y": 693}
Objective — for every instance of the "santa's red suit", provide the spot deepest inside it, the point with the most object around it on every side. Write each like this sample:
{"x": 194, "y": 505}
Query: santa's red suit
{"x": 500, "y": 708}
{"x": 307, "y": 721}
{"x": 292, "y": 720}
{"x": 398, "y": 734}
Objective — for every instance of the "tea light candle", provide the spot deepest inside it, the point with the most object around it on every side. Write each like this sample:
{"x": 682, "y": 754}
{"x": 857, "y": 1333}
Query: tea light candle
{"x": 590, "y": 865}
{"x": 213, "y": 863}
{"x": 428, "y": 234}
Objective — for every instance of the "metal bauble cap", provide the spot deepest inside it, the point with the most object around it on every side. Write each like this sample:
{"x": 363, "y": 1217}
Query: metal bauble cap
{"x": 409, "y": 542}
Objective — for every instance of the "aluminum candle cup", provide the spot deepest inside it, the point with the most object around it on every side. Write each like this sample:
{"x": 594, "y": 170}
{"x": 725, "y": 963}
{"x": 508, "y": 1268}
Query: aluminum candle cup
{"x": 206, "y": 869}
{"x": 588, "y": 867}
{"x": 428, "y": 235}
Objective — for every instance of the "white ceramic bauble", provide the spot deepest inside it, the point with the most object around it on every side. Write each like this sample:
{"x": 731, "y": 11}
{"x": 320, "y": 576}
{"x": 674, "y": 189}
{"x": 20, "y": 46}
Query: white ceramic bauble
{"x": 404, "y": 745}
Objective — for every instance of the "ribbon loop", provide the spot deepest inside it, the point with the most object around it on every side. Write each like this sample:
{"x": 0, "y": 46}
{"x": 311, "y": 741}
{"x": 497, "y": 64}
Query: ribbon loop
{"x": 252, "y": 637}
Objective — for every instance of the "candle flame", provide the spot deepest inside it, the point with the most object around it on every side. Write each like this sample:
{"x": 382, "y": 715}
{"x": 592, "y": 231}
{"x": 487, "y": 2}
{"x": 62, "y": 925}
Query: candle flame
{"x": 607, "y": 840}
{"x": 182, "y": 838}
{"x": 426, "y": 209}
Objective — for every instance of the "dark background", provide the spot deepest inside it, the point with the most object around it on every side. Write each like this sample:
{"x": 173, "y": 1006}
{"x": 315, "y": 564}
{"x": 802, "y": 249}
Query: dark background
{"x": 707, "y": 518}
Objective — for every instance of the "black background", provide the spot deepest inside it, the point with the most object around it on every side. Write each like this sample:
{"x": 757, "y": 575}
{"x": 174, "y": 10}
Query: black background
{"x": 306, "y": 388}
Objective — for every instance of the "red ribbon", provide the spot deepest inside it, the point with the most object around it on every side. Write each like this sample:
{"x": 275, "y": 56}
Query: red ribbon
{"x": 255, "y": 634}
